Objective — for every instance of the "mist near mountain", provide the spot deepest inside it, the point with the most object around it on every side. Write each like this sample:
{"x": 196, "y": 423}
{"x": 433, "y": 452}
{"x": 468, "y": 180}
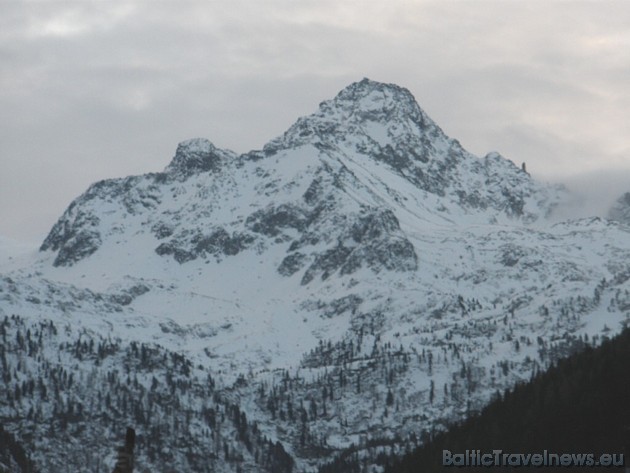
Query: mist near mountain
{"x": 592, "y": 194}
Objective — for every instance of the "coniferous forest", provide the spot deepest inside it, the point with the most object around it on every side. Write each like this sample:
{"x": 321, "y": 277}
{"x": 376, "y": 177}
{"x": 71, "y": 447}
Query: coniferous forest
{"x": 580, "y": 405}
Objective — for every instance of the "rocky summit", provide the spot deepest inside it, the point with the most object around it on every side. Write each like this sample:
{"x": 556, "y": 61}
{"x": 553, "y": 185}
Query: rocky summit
{"x": 358, "y": 283}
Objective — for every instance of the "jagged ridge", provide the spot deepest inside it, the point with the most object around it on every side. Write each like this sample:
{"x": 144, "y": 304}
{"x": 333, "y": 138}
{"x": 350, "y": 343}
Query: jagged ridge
{"x": 357, "y": 146}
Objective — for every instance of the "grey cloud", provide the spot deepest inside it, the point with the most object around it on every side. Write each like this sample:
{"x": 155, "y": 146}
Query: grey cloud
{"x": 113, "y": 92}
{"x": 593, "y": 193}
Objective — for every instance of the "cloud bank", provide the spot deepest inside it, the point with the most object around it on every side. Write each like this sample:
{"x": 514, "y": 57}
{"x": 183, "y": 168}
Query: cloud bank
{"x": 91, "y": 90}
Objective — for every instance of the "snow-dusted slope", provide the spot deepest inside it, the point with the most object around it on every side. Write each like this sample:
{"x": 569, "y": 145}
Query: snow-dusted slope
{"x": 358, "y": 282}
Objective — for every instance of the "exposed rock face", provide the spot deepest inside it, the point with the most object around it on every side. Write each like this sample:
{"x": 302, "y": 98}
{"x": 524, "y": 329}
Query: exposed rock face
{"x": 218, "y": 243}
{"x": 74, "y": 237}
{"x": 196, "y": 156}
{"x": 373, "y": 240}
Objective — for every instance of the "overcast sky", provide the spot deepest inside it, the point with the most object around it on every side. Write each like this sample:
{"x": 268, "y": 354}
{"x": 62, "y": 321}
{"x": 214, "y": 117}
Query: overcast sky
{"x": 98, "y": 89}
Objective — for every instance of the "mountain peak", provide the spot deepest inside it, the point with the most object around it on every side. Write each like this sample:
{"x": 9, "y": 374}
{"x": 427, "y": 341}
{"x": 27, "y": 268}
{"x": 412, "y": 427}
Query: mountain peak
{"x": 369, "y": 100}
{"x": 194, "y": 156}
{"x": 372, "y": 95}
{"x": 362, "y": 109}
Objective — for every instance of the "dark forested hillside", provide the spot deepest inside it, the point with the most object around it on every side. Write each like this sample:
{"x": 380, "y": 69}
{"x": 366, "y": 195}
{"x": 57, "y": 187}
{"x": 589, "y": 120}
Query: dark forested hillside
{"x": 13, "y": 457}
{"x": 582, "y": 405}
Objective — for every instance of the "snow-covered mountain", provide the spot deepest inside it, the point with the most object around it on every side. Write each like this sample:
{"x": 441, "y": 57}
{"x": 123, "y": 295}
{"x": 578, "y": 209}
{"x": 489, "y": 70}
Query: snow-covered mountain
{"x": 359, "y": 282}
